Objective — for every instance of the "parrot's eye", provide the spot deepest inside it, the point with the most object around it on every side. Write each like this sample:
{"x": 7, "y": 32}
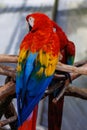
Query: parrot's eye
{"x": 31, "y": 21}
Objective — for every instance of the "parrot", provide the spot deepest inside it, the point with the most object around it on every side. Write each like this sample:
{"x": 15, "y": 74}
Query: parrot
{"x": 67, "y": 50}
{"x": 38, "y": 56}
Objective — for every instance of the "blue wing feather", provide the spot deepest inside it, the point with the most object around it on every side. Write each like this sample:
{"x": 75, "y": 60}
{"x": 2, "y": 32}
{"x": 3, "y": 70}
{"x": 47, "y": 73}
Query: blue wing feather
{"x": 21, "y": 81}
{"x": 29, "y": 65}
{"x": 23, "y": 77}
{"x": 33, "y": 95}
{"x": 27, "y": 72}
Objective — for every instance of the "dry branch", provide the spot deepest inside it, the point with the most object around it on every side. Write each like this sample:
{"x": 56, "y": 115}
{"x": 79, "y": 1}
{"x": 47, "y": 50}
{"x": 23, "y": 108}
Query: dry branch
{"x": 67, "y": 68}
{"x": 70, "y": 91}
{"x": 8, "y": 58}
{"x": 6, "y": 72}
{"x": 6, "y": 106}
{"x": 76, "y": 92}
{"x": 60, "y": 66}
{"x": 67, "y": 82}
{"x": 14, "y": 59}
{"x": 80, "y": 63}
{"x": 80, "y": 70}
{"x": 7, "y": 68}
{"x": 7, "y": 121}
{"x": 11, "y": 112}
{"x": 7, "y": 89}
{"x": 49, "y": 91}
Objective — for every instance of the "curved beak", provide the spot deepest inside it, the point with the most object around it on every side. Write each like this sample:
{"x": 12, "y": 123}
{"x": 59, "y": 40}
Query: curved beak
{"x": 30, "y": 27}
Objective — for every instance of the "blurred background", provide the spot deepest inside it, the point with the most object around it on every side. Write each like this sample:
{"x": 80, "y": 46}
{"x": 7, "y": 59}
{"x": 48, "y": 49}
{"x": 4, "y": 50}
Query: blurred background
{"x": 71, "y": 15}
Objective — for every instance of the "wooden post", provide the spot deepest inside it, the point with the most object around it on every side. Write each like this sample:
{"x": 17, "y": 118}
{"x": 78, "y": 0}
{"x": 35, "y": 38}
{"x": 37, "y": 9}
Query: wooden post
{"x": 55, "y": 10}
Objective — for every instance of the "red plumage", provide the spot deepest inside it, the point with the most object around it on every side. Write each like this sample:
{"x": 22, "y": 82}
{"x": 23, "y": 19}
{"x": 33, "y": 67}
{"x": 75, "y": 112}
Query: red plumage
{"x": 38, "y": 57}
{"x": 55, "y": 111}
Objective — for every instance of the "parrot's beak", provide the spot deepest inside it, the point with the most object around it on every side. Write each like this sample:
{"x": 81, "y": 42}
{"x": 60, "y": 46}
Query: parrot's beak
{"x": 30, "y": 27}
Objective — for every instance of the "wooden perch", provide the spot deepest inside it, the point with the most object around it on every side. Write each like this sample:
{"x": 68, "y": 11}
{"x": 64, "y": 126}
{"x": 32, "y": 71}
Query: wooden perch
{"x": 71, "y": 91}
{"x": 67, "y": 68}
{"x": 7, "y": 68}
{"x": 76, "y": 92}
{"x": 57, "y": 85}
{"x": 67, "y": 82}
{"x": 6, "y": 105}
{"x": 8, "y": 58}
{"x": 6, "y": 71}
{"x": 7, "y": 89}
{"x": 60, "y": 66}
{"x": 8, "y": 121}
{"x": 14, "y": 59}
{"x": 80, "y": 63}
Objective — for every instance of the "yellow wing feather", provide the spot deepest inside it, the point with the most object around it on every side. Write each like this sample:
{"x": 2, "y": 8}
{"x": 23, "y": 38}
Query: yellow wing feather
{"x": 48, "y": 63}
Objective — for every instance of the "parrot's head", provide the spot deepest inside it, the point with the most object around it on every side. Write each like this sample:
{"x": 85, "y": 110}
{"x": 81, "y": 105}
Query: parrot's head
{"x": 38, "y": 21}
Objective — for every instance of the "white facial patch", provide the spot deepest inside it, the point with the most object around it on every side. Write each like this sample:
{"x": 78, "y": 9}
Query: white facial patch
{"x": 31, "y": 21}
{"x": 27, "y": 26}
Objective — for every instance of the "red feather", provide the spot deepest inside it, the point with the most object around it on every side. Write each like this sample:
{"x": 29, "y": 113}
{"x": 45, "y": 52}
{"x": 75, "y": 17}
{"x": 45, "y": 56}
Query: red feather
{"x": 55, "y": 111}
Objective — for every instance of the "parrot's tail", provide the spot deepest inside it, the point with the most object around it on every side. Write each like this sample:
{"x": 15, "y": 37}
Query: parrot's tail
{"x": 55, "y": 114}
{"x": 30, "y": 123}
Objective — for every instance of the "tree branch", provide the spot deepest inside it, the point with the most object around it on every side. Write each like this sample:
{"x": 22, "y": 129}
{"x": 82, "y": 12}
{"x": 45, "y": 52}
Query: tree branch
{"x": 7, "y": 89}
{"x": 80, "y": 63}
{"x": 67, "y": 68}
{"x": 11, "y": 112}
{"x": 60, "y": 66}
{"x": 8, "y": 121}
{"x": 67, "y": 82}
{"x": 6, "y": 72}
{"x": 8, "y": 58}
{"x": 14, "y": 58}
{"x": 57, "y": 85}
{"x": 76, "y": 92}
{"x": 7, "y": 68}
{"x": 9, "y": 71}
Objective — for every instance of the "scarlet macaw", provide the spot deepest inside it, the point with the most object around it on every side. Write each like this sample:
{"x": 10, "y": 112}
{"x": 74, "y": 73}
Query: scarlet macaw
{"x": 39, "y": 54}
{"x": 67, "y": 50}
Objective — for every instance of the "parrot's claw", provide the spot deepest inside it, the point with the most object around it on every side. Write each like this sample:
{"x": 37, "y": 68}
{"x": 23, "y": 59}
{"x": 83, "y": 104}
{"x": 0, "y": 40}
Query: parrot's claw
{"x": 66, "y": 74}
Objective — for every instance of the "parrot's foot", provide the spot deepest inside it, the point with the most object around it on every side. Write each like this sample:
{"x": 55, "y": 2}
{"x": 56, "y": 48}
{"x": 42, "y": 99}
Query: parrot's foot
{"x": 60, "y": 91}
{"x": 66, "y": 74}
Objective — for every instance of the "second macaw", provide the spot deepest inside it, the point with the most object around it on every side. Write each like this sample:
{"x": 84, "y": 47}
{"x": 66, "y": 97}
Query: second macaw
{"x": 39, "y": 54}
{"x": 67, "y": 50}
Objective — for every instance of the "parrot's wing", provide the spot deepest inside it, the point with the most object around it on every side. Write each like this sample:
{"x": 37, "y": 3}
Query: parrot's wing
{"x": 24, "y": 68}
{"x": 36, "y": 75}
